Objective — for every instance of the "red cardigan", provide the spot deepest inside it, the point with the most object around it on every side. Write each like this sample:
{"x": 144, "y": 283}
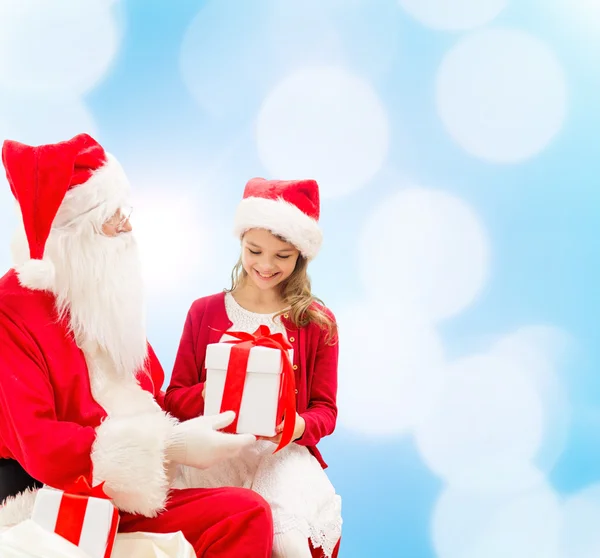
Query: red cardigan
{"x": 315, "y": 365}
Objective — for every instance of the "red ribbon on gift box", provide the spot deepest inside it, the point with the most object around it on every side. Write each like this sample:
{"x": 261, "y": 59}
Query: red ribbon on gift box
{"x": 73, "y": 506}
{"x": 236, "y": 377}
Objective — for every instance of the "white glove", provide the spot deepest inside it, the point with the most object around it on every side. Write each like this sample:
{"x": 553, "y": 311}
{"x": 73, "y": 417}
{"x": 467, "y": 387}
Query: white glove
{"x": 198, "y": 443}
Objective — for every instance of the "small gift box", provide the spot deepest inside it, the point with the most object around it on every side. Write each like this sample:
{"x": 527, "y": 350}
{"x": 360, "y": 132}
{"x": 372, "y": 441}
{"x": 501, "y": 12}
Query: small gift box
{"x": 253, "y": 376}
{"x": 83, "y": 515}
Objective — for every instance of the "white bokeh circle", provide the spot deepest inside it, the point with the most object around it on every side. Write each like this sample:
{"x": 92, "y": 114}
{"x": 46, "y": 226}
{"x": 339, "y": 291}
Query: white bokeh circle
{"x": 430, "y": 246}
{"x": 323, "y": 123}
{"x": 390, "y": 371}
{"x": 515, "y": 525}
{"x": 63, "y": 46}
{"x": 176, "y": 246}
{"x": 489, "y": 418}
{"x": 538, "y": 352}
{"x": 453, "y": 15}
{"x": 580, "y": 536}
{"x": 501, "y": 95}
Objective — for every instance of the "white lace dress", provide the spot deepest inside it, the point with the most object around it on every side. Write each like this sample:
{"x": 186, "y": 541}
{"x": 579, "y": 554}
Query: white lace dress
{"x": 292, "y": 481}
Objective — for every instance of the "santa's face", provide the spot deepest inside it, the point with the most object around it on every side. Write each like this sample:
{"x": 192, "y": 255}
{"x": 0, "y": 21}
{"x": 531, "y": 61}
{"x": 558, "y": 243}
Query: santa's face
{"x": 118, "y": 223}
{"x": 99, "y": 290}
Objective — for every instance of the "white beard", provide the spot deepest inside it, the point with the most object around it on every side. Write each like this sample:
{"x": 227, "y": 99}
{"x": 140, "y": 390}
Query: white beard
{"x": 99, "y": 290}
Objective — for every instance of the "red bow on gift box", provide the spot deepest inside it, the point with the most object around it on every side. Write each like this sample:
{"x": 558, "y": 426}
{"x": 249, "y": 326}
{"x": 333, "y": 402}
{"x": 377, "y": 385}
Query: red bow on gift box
{"x": 82, "y": 487}
{"x": 236, "y": 376}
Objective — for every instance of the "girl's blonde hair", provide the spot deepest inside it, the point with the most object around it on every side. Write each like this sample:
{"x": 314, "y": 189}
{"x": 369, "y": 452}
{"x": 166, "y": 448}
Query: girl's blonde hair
{"x": 303, "y": 307}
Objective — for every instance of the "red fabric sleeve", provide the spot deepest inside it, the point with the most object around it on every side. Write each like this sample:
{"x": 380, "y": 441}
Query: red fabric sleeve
{"x": 157, "y": 375}
{"x": 321, "y": 415}
{"x": 53, "y": 452}
{"x": 184, "y": 395}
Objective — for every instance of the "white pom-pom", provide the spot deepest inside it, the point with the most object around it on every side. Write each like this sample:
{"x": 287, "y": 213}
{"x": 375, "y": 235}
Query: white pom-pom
{"x": 36, "y": 274}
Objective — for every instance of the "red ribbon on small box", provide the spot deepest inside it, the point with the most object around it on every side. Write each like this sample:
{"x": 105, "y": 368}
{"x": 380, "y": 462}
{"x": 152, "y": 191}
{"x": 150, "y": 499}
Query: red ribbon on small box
{"x": 72, "y": 513}
{"x": 236, "y": 377}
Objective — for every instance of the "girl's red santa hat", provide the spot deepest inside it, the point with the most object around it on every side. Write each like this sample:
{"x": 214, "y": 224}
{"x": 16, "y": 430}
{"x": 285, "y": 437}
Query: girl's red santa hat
{"x": 288, "y": 208}
{"x": 56, "y": 184}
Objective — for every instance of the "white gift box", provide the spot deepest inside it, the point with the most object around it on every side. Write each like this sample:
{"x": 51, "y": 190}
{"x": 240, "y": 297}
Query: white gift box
{"x": 258, "y": 411}
{"x": 93, "y": 521}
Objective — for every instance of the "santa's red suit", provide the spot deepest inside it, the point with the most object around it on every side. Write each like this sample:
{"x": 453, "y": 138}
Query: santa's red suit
{"x": 79, "y": 397}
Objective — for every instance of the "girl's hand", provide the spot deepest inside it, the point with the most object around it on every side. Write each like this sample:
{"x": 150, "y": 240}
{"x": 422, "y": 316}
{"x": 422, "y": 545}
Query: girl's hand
{"x": 204, "y": 391}
{"x": 298, "y": 431}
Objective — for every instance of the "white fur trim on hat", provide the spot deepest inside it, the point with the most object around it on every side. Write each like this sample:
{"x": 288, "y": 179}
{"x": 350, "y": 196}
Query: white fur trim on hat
{"x": 36, "y": 274}
{"x": 281, "y": 218}
{"x": 108, "y": 185}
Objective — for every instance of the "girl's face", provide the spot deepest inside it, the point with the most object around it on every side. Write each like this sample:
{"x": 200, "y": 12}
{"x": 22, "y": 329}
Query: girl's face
{"x": 267, "y": 260}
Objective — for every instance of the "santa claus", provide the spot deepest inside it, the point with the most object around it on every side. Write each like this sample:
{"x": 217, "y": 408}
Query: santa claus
{"x": 80, "y": 387}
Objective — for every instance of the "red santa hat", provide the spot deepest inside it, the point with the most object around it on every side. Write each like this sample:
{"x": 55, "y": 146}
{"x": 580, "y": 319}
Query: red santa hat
{"x": 71, "y": 178}
{"x": 288, "y": 208}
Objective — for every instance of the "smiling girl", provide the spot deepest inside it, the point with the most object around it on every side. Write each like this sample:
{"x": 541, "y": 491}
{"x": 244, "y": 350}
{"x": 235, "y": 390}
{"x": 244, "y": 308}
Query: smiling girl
{"x": 277, "y": 222}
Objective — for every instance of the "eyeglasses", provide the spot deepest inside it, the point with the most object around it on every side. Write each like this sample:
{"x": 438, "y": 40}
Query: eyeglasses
{"x": 121, "y": 216}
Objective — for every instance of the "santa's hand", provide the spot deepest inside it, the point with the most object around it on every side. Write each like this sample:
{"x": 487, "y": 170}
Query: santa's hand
{"x": 198, "y": 443}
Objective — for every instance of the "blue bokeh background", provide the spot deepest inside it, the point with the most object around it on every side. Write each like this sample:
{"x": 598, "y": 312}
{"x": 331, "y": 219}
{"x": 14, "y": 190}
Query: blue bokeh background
{"x": 182, "y": 93}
